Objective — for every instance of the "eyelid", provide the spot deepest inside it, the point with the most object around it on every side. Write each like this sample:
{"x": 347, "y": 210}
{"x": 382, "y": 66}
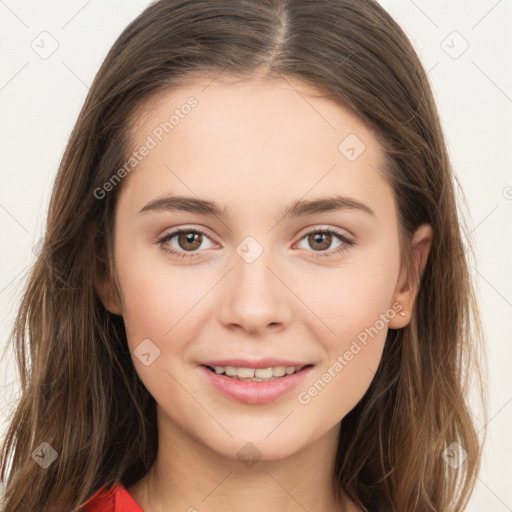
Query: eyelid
{"x": 325, "y": 227}
{"x": 177, "y": 230}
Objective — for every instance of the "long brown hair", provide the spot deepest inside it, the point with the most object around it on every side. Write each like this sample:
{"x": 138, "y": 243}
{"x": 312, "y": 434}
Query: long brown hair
{"x": 80, "y": 392}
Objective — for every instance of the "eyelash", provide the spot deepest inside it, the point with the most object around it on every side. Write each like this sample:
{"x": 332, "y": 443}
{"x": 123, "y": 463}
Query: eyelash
{"x": 317, "y": 254}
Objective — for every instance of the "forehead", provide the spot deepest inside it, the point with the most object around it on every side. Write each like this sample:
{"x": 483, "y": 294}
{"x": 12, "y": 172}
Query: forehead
{"x": 264, "y": 107}
{"x": 252, "y": 139}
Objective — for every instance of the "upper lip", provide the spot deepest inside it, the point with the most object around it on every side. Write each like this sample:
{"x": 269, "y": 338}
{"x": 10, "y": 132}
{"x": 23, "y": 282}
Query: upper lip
{"x": 266, "y": 362}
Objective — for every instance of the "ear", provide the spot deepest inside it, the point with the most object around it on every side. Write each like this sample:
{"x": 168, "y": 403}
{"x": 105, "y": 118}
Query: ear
{"x": 108, "y": 291}
{"x": 408, "y": 283}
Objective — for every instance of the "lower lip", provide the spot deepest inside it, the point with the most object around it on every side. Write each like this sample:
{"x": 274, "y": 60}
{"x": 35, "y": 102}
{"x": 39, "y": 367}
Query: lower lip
{"x": 255, "y": 392}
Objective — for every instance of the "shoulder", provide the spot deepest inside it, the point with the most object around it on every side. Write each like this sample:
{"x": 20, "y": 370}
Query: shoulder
{"x": 113, "y": 499}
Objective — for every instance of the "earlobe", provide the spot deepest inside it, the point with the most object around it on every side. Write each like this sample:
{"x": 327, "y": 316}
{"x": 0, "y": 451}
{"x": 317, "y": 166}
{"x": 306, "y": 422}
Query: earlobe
{"x": 409, "y": 280}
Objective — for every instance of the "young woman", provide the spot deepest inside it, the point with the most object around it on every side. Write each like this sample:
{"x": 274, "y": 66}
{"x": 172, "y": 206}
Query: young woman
{"x": 253, "y": 291}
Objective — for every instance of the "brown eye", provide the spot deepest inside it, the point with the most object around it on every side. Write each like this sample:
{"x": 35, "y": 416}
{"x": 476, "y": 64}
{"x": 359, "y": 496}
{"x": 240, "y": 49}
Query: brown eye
{"x": 183, "y": 241}
{"x": 320, "y": 241}
{"x": 190, "y": 241}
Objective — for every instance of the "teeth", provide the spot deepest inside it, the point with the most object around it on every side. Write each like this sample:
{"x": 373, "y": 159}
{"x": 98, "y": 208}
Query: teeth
{"x": 263, "y": 373}
{"x": 230, "y": 371}
{"x": 247, "y": 373}
{"x": 280, "y": 371}
{"x": 256, "y": 374}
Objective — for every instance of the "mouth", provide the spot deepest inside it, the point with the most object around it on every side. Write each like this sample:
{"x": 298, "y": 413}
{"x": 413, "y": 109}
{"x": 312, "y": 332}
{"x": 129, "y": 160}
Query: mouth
{"x": 256, "y": 374}
{"x": 254, "y": 386}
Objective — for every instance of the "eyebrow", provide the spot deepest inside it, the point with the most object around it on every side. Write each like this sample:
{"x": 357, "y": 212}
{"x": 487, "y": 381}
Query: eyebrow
{"x": 298, "y": 208}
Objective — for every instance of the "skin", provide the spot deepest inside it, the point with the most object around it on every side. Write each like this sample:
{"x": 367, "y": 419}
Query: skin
{"x": 254, "y": 147}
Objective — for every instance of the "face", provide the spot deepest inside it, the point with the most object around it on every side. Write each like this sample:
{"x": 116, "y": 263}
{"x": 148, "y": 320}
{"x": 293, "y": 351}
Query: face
{"x": 264, "y": 281}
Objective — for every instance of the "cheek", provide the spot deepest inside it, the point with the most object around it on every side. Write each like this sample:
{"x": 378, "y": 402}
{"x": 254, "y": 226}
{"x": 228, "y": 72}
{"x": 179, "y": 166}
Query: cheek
{"x": 355, "y": 303}
{"x": 160, "y": 319}
{"x": 352, "y": 354}
{"x": 157, "y": 296}
{"x": 150, "y": 304}
{"x": 354, "y": 296}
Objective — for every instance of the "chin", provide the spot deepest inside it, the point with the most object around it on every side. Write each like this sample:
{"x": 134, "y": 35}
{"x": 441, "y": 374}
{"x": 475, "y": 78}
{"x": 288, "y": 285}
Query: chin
{"x": 252, "y": 446}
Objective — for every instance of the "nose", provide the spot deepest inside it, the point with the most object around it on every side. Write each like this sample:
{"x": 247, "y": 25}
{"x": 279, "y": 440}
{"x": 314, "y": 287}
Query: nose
{"x": 255, "y": 296}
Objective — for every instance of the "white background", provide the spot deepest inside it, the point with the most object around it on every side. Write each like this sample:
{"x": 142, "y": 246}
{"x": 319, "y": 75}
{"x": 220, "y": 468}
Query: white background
{"x": 40, "y": 100}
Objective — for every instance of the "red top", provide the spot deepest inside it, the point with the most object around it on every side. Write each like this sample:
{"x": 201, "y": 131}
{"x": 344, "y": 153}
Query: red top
{"x": 115, "y": 499}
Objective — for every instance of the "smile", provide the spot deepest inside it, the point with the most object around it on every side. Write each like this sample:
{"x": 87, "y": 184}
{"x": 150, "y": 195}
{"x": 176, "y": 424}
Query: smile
{"x": 254, "y": 385}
